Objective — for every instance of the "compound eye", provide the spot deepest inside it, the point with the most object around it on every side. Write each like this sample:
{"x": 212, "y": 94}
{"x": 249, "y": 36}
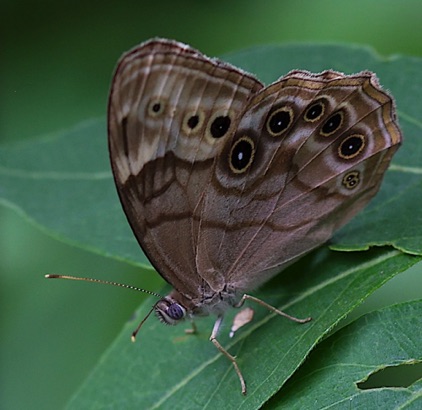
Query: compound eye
{"x": 175, "y": 311}
{"x": 169, "y": 311}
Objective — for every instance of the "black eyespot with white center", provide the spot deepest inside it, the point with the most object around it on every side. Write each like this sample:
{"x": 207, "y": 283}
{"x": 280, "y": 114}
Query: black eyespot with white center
{"x": 219, "y": 126}
{"x": 314, "y": 112}
{"x": 351, "y": 180}
{"x": 333, "y": 124}
{"x": 351, "y": 146}
{"x": 279, "y": 121}
{"x": 242, "y": 155}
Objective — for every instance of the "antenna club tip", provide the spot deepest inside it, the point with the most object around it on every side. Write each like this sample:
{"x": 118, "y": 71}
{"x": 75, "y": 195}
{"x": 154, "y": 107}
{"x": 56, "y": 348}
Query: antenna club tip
{"x": 133, "y": 338}
{"x": 48, "y": 276}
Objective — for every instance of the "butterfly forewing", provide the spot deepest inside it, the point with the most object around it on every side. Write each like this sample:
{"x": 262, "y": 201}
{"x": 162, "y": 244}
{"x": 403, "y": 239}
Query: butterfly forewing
{"x": 170, "y": 111}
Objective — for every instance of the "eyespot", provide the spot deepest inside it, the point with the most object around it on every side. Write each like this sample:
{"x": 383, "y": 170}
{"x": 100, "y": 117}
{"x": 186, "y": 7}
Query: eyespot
{"x": 314, "y": 112}
{"x": 219, "y": 126}
{"x": 193, "y": 121}
{"x": 351, "y": 180}
{"x": 279, "y": 121}
{"x": 155, "y": 107}
{"x": 241, "y": 155}
{"x": 332, "y": 124}
{"x": 351, "y": 146}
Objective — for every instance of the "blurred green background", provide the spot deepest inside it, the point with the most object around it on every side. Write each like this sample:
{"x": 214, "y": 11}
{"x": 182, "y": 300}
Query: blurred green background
{"x": 56, "y": 65}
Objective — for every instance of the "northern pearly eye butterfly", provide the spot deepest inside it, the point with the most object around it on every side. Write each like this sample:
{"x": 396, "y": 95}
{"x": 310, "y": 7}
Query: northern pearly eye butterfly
{"x": 226, "y": 182}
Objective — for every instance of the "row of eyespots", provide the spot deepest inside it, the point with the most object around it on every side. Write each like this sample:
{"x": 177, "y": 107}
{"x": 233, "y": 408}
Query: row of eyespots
{"x": 281, "y": 119}
{"x": 349, "y": 148}
{"x": 243, "y": 150}
{"x": 218, "y": 125}
{"x": 242, "y": 155}
{"x": 193, "y": 121}
{"x": 278, "y": 121}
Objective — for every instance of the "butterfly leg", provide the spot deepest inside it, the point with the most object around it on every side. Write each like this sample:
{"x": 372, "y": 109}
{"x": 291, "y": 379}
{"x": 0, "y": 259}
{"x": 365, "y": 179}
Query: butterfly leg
{"x": 213, "y": 339}
{"x": 192, "y": 330}
{"x": 271, "y": 308}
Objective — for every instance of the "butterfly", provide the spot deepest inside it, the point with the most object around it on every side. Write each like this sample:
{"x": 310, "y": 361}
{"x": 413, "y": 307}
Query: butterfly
{"x": 225, "y": 182}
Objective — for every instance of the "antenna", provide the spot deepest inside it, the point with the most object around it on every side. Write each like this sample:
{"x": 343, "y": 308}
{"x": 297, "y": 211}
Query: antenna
{"x": 107, "y": 282}
{"x": 104, "y": 282}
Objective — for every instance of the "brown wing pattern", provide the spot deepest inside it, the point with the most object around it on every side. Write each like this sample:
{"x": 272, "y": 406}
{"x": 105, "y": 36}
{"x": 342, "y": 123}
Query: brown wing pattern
{"x": 225, "y": 182}
{"x": 320, "y": 145}
{"x": 171, "y": 110}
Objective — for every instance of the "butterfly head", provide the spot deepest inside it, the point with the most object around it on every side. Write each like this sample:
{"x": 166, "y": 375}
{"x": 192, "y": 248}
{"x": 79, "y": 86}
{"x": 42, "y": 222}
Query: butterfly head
{"x": 169, "y": 311}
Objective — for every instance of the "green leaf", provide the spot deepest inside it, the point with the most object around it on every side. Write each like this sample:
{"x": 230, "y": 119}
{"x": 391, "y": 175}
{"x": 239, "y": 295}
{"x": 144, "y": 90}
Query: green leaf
{"x": 166, "y": 368}
{"x": 329, "y": 378}
{"x": 63, "y": 184}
